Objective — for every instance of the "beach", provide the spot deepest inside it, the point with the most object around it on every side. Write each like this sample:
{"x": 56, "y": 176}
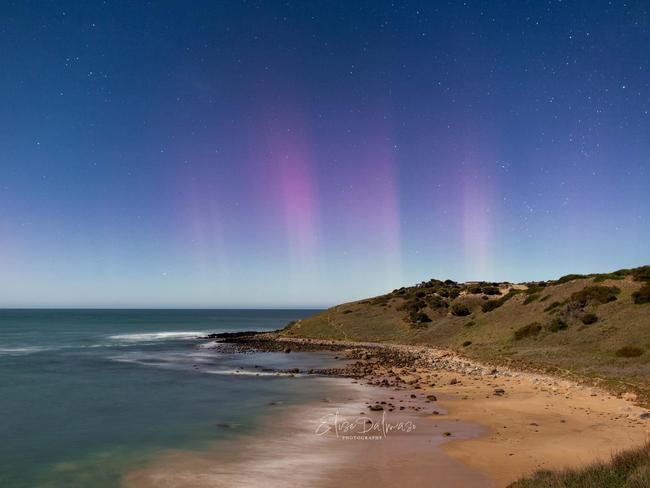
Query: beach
{"x": 475, "y": 425}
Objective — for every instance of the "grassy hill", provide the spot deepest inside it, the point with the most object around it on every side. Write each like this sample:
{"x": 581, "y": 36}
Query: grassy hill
{"x": 594, "y": 326}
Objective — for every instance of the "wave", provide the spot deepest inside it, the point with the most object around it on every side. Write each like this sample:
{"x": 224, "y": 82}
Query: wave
{"x": 158, "y": 336}
{"x": 21, "y": 351}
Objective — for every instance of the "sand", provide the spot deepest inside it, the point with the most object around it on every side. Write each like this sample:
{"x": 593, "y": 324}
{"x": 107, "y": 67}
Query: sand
{"x": 479, "y": 438}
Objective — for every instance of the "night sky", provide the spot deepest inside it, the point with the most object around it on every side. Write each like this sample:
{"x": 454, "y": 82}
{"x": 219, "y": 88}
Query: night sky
{"x": 276, "y": 154}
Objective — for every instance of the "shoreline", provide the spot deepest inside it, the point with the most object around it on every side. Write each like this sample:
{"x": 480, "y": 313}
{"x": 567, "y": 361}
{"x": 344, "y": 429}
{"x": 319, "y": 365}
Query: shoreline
{"x": 503, "y": 423}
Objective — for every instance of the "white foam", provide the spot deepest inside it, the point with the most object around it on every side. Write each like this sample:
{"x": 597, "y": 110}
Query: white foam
{"x": 158, "y": 336}
{"x": 21, "y": 351}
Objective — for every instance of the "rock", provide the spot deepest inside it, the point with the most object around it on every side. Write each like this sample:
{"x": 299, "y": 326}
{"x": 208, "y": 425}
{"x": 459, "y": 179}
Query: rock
{"x": 453, "y": 381}
{"x": 376, "y": 408}
{"x": 499, "y": 391}
{"x": 432, "y": 398}
{"x": 645, "y": 416}
{"x": 287, "y": 350}
{"x": 413, "y": 396}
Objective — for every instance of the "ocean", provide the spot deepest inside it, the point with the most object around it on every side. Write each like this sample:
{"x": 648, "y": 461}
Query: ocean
{"x": 89, "y": 395}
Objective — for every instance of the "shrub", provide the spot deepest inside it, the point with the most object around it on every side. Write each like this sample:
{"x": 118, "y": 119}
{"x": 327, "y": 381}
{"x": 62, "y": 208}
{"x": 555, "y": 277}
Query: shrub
{"x": 589, "y": 318}
{"x": 557, "y": 325}
{"x": 419, "y": 318}
{"x": 420, "y": 294}
{"x": 471, "y": 323}
{"x": 435, "y": 302}
{"x": 599, "y": 278}
{"x": 629, "y": 352}
{"x": 491, "y": 290}
{"x": 544, "y": 298}
{"x": 454, "y": 293}
{"x": 460, "y": 309}
{"x": 569, "y": 277}
{"x": 528, "y": 330}
{"x": 474, "y": 289}
{"x": 643, "y": 295}
{"x": 641, "y": 274}
{"x": 467, "y": 343}
{"x": 531, "y": 298}
{"x": 534, "y": 288}
{"x": 552, "y": 306}
{"x": 597, "y": 294}
{"x": 494, "y": 304}
{"x": 412, "y": 306}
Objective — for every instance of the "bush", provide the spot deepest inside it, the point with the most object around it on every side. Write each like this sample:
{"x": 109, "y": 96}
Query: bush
{"x": 552, "y": 306}
{"x": 474, "y": 289}
{"x": 641, "y": 274}
{"x": 467, "y": 343}
{"x": 494, "y": 304}
{"x": 557, "y": 325}
{"x": 435, "y": 302}
{"x": 533, "y": 288}
{"x": 629, "y": 352}
{"x": 531, "y": 298}
{"x": 460, "y": 309}
{"x": 471, "y": 323}
{"x": 597, "y": 294}
{"x": 643, "y": 295}
{"x": 491, "y": 290}
{"x": 419, "y": 318}
{"x": 454, "y": 293}
{"x": 528, "y": 331}
{"x": 544, "y": 298}
{"x": 570, "y": 277}
{"x": 589, "y": 318}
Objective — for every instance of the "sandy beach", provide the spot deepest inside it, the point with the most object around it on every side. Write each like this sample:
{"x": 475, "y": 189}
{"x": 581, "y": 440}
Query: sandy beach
{"x": 472, "y": 426}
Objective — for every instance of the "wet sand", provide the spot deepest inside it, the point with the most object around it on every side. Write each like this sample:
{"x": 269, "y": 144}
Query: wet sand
{"x": 309, "y": 446}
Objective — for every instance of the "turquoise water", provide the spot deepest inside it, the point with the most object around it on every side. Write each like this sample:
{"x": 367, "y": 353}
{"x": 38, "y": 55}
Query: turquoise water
{"x": 87, "y": 395}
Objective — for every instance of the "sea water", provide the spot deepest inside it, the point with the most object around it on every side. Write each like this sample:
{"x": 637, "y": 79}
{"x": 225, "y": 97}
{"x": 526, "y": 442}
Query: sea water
{"x": 88, "y": 395}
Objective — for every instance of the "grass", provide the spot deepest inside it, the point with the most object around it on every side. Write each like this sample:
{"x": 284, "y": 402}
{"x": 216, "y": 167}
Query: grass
{"x": 460, "y": 309}
{"x": 589, "y": 318}
{"x": 595, "y": 294}
{"x": 552, "y": 306}
{"x": 531, "y": 298}
{"x": 557, "y": 325}
{"x": 528, "y": 330}
{"x": 643, "y": 295}
{"x": 629, "y": 469}
{"x": 629, "y": 352}
{"x": 494, "y": 304}
{"x": 578, "y": 350}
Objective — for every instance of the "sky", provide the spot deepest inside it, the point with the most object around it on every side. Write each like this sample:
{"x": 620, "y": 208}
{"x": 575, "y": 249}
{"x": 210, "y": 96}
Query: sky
{"x": 305, "y": 153}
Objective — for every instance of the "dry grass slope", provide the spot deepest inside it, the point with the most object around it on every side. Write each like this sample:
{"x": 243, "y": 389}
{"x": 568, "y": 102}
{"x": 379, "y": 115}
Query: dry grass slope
{"x": 487, "y": 321}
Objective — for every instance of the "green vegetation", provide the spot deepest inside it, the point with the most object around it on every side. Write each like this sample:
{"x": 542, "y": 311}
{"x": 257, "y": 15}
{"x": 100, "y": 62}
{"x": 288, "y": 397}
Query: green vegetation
{"x": 643, "y": 295}
{"x": 552, "y": 306}
{"x": 557, "y": 324}
{"x": 569, "y": 277}
{"x": 641, "y": 274}
{"x": 629, "y": 352}
{"x": 528, "y": 330}
{"x": 531, "y": 298}
{"x": 589, "y": 318}
{"x": 419, "y": 317}
{"x": 494, "y": 304}
{"x": 596, "y": 294}
{"x": 460, "y": 309}
{"x": 629, "y": 469}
